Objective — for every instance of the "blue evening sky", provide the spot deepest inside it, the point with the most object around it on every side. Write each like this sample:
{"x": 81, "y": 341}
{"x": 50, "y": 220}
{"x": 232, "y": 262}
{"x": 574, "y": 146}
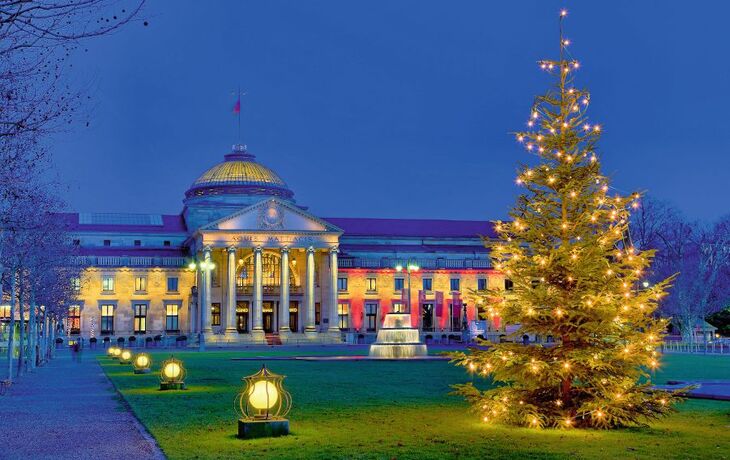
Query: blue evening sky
{"x": 397, "y": 108}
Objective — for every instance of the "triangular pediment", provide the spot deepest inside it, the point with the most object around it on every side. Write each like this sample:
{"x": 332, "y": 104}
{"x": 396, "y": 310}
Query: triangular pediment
{"x": 272, "y": 215}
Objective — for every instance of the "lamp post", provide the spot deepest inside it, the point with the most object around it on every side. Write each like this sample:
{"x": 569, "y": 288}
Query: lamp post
{"x": 205, "y": 267}
{"x": 411, "y": 267}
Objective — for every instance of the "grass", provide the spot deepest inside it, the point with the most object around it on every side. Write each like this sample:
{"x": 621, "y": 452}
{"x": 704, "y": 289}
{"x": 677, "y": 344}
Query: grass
{"x": 386, "y": 410}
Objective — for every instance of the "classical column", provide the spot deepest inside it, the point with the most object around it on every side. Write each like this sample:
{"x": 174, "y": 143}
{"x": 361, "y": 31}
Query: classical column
{"x": 205, "y": 307}
{"x": 334, "y": 327}
{"x": 231, "y": 298}
{"x": 284, "y": 295}
{"x": 310, "y": 328}
{"x": 258, "y": 328}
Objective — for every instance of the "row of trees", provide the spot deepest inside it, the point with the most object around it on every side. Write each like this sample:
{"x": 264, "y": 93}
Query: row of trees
{"x": 37, "y": 40}
{"x": 698, "y": 252}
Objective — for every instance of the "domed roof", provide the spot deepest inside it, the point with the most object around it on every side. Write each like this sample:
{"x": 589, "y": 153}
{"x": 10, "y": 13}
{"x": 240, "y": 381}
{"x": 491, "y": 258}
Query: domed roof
{"x": 239, "y": 173}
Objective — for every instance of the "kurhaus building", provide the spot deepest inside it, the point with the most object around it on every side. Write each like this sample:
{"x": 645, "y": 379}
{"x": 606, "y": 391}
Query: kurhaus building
{"x": 244, "y": 262}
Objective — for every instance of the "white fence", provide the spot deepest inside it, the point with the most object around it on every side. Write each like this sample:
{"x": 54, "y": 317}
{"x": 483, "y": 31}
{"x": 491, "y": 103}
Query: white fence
{"x": 696, "y": 347}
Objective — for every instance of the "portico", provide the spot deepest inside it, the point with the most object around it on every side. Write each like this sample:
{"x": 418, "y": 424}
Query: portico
{"x": 275, "y": 273}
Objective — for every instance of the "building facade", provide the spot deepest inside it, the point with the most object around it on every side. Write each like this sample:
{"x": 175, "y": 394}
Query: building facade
{"x": 244, "y": 263}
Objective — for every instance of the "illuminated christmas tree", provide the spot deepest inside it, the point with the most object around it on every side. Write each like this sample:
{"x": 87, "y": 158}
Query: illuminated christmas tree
{"x": 576, "y": 277}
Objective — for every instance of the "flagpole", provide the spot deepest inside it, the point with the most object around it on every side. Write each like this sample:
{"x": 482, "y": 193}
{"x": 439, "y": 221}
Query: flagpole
{"x": 239, "y": 114}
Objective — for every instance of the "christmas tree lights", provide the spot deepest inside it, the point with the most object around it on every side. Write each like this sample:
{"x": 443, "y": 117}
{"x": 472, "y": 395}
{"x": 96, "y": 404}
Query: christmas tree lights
{"x": 576, "y": 277}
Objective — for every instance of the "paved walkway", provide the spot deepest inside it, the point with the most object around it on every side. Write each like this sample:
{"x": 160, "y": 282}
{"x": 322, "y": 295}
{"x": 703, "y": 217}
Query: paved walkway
{"x": 704, "y": 389}
{"x": 68, "y": 409}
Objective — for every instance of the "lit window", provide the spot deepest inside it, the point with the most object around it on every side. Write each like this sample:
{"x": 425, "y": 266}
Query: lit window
{"x": 342, "y": 284}
{"x": 215, "y": 314}
{"x": 455, "y": 284}
{"x": 371, "y": 316}
{"x": 107, "y": 283}
{"x": 427, "y": 284}
{"x": 482, "y": 284}
{"x": 172, "y": 284}
{"x": 398, "y": 307}
{"x": 140, "y": 284}
{"x": 74, "y": 319}
{"x": 343, "y": 312}
{"x": 76, "y": 284}
{"x": 371, "y": 284}
{"x": 317, "y": 313}
{"x": 107, "y": 319}
{"x": 5, "y": 311}
{"x": 172, "y": 317}
{"x": 140, "y": 318}
{"x": 398, "y": 284}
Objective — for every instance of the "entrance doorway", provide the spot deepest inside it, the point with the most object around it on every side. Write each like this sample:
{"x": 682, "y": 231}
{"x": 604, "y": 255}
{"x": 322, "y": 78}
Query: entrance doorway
{"x": 294, "y": 316}
{"x": 427, "y": 316}
{"x": 267, "y": 311}
{"x": 242, "y": 317}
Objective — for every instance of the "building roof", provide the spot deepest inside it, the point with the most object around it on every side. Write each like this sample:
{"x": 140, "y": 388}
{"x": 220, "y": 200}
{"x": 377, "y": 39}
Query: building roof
{"x": 426, "y": 228}
{"x": 123, "y": 223}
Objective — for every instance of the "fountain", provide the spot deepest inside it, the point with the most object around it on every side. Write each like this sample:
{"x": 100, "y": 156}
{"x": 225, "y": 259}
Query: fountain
{"x": 397, "y": 339}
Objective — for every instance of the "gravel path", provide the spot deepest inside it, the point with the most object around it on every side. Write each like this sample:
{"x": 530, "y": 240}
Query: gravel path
{"x": 68, "y": 409}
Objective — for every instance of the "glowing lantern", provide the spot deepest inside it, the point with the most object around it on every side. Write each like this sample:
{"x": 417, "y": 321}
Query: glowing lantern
{"x": 172, "y": 375}
{"x": 110, "y": 352}
{"x": 116, "y": 352}
{"x": 125, "y": 356}
{"x": 262, "y": 406}
{"x": 142, "y": 363}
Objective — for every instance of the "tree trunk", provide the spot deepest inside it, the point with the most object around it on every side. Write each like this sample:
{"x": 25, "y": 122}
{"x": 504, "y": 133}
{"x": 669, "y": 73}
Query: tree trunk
{"x": 11, "y": 325}
{"x": 21, "y": 334}
{"x": 32, "y": 330}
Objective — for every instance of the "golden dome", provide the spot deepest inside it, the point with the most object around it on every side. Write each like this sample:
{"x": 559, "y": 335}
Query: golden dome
{"x": 239, "y": 174}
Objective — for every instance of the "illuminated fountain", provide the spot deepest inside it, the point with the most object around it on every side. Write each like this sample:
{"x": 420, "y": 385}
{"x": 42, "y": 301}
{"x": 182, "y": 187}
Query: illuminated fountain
{"x": 397, "y": 339}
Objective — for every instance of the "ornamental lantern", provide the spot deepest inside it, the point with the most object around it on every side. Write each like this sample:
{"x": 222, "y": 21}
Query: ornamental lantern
{"x": 125, "y": 357}
{"x": 172, "y": 375}
{"x": 110, "y": 352}
{"x": 262, "y": 406}
{"x": 142, "y": 363}
{"x": 116, "y": 353}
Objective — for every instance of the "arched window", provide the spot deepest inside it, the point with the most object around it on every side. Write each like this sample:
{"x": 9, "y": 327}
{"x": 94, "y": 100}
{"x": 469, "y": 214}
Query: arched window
{"x": 271, "y": 271}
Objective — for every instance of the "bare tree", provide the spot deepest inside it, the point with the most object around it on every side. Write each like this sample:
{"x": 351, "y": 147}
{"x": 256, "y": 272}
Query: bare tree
{"x": 697, "y": 252}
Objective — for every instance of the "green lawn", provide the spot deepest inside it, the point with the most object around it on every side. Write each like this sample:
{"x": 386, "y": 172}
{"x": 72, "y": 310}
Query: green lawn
{"x": 396, "y": 410}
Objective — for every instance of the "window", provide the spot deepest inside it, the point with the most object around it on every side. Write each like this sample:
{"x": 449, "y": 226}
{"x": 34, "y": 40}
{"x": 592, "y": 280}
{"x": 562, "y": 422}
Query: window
{"x": 317, "y": 313}
{"x": 399, "y": 307}
{"x": 342, "y": 284}
{"x": 74, "y": 319}
{"x": 172, "y": 284}
{"x": 172, "y": 315}
{"x": 138, "y": 242}
{"x": 107, "y": 319}
{"x": 427, "y": 284}
{"x": 371, "y": 284}
{"x": 508, "y": 284}
{"x": 140, "y": 318}
{"x": 166, "y": 243}
{"x": 398, "y": 284}
{"x": 482, "y": 284}
{"x": 76, "y": 284}
{"x": 455, "y": 284}
{"x": 343, "y": 312}
{"x": 107, "y": 242}
{"x": 107, "y": 283}
{"x": 77, "y": 242}
{"x": 371, "y": 316}
{"x": 215, "y": 314}
{"x": 140, "y": 284}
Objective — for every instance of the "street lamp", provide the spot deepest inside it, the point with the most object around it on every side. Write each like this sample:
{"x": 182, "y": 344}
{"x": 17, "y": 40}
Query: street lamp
{"x": 411, "y": 267}
{"x": 172, "y": 375}
{"x": 205, "y": 266}
{"x": 262, "y": 406}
